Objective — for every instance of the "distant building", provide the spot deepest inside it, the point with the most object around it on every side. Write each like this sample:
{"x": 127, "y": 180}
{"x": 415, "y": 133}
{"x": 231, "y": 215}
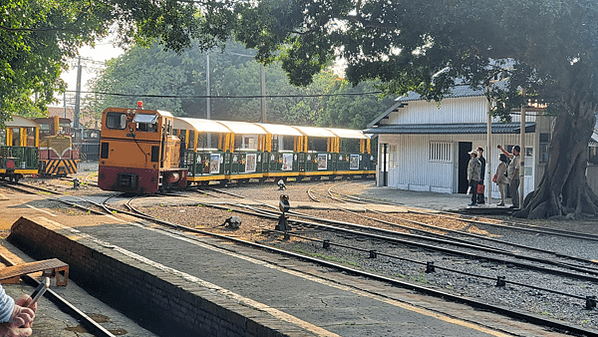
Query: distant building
{"x": 69, "y": 113}
{"x": 423, "y": 146}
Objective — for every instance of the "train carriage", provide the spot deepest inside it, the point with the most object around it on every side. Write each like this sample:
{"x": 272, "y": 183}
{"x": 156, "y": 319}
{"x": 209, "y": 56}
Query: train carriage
{"x": 202, "y": 149}
{"x": 281, "y": 151}
{"x": 139, "y": 152}
{"x": 244, "y": 154}
{"x": 19, "y": 155}
{"x": 143, "y": 151}
{"x": 353, "y": 153}
{"x": 315, "y": 152}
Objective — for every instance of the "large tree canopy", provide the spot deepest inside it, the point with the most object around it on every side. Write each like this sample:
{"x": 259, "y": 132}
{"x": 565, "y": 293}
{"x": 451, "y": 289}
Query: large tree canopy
{"x": 38, "y": 37}
{"x": 177, "y": 83}
{"x": 547, "y": 47}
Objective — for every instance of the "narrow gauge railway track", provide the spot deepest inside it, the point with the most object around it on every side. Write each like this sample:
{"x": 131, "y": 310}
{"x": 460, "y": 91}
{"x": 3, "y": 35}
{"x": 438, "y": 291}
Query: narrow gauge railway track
{"x": 590, "y": 301}
{"x": 91, "y": 326}
{"x": 564, "y": 262}
{"x": 26, "y": 188}
{"x": 512, "y": 225}
{"x": 515, "y": 313}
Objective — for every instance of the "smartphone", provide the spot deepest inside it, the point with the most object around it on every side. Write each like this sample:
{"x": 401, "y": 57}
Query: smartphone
{"x": 39, "y": 291}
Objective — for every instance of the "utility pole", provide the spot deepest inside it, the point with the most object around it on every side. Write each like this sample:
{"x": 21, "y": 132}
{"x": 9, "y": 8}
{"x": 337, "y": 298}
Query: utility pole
{"x": 522, "y": 153}
{"x": 263, "y": 85}
{"x": 77, "y": 96}
{"x": 208, "y": 107}
{"x": 208, "y": 114}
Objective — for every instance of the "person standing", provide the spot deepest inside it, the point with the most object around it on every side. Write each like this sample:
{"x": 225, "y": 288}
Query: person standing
{"x": 481, "y": 199}
{"x": 473, "y": 176}
{"x": 501, "y": 178}
{"x": 513, "y": 173}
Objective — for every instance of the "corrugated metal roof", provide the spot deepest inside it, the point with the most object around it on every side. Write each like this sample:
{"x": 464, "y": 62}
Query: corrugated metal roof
{"x": 243, "y": 128}
{"x": 21, "y": 122}
{"x": 348, "y": 133}
{"x": 200, "y": 125}
{"x": 311, "y": 131}
{"x": 460, "y": 128}
{"x": 280, "y": 129}
{"x": 457, "y": 92}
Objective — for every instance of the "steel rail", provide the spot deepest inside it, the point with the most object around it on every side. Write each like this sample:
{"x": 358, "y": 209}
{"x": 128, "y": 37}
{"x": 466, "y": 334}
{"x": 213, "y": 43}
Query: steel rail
{"x": 376, "y": 253}
{"x": 588, "y": 270}
{"x": 427, "y": 246}
{"x": 509, "y": 312}
{"x": 522, "y": 226}
{"x": 473, "y": 235}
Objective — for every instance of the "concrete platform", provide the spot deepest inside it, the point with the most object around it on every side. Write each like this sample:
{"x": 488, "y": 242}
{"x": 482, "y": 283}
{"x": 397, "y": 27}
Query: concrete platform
{"x": 199, "y": 286}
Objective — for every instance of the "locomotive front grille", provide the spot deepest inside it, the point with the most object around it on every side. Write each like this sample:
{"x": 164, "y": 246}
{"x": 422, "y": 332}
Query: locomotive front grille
{"x": 128, "y": 180}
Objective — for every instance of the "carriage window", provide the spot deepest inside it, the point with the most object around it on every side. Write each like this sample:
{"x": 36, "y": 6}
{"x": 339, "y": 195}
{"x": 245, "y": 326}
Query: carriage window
{"x": 116, "y": 120}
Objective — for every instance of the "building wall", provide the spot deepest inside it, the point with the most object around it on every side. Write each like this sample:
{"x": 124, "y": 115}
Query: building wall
{"x": 451, "y": 110}
{"x": 411, "y": 165}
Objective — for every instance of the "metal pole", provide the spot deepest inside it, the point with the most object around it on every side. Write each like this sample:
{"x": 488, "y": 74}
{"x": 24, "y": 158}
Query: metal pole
{"x": 489, "y": 154}
{"x": 208, "y": 107}
{"x": 64, "y": 104}
{"x": 522, "y": 146}
{"x": 263, "y": 87}
{"x": 77, "y": 96}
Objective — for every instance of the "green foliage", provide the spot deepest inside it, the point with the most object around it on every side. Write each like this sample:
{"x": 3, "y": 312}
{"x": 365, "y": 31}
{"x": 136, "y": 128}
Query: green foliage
{"x": 38, "y": 37}
{"x": 235, "y": 89}
{"x": 547, "y": 47}
{"x": 352, "y": 111}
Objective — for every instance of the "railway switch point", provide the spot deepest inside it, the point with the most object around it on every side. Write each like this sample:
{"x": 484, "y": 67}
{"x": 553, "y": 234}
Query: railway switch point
{"x": 430, "y": 267}
{"x": 326, "y": 244}
{"x": 373, "y": 254}
{"x": 76, "y": 183}
{"x": 281, "y": 185}
{"x": 500, "y": 281}
{"x": 590, "y": 302}
{"x": 233, "y": 222}
{"x": 284, "y": 206}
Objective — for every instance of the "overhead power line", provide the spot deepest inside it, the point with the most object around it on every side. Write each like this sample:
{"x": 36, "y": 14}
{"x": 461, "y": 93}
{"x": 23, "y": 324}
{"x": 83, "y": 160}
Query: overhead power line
{"x": 227, "y": 96}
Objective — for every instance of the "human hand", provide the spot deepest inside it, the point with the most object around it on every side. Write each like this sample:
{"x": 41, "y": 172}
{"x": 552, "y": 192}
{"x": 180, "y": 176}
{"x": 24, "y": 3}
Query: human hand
{"x": 19, "y": 324}
{"x": 23, "y": 302}
{"x": 21, "y": 319}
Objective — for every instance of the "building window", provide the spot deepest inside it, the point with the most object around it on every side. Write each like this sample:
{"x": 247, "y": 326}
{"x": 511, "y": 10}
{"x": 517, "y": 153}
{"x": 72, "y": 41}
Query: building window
{"x": 439, "y": 152}
{"x": 544, "y": 147}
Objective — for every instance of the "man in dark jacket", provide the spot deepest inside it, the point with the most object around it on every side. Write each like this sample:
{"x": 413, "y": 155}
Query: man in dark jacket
{"x": 473, "y": 176}
{"x": 481, "y": 199}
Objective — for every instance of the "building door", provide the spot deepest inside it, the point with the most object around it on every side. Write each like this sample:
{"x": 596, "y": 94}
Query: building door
{"x": 464, "y": 149}
{"x": 383, "y": 165}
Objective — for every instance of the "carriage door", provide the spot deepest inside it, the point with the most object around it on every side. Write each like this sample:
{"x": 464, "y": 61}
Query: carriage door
{"x": 464, "y": 149}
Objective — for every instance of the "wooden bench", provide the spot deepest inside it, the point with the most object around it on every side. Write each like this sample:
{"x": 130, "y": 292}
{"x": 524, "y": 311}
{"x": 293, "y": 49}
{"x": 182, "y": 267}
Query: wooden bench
{"x": 50, "y": 267}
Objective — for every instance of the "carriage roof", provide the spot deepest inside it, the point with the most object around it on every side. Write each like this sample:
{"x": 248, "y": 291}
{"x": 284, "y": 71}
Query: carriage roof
{"x": 21, "y": 122}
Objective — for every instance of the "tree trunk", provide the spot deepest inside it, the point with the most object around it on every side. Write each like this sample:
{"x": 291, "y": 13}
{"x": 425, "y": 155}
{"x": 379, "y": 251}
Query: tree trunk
{"x": 563, "y": 190}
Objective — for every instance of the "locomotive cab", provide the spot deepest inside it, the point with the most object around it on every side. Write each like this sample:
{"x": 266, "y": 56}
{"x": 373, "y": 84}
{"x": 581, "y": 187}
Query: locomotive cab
{"x": 139, "y": 152}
